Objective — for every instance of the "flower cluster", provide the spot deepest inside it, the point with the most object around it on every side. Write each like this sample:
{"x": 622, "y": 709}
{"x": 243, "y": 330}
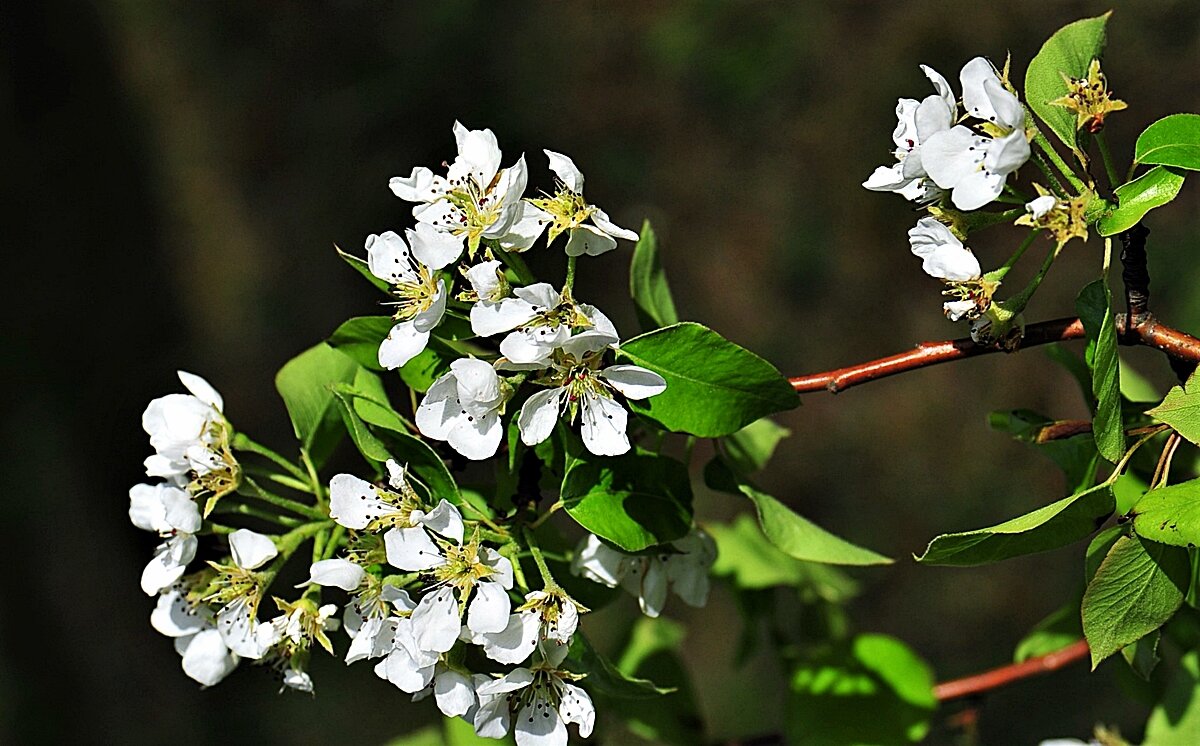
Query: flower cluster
{"x": 478, "y": 212}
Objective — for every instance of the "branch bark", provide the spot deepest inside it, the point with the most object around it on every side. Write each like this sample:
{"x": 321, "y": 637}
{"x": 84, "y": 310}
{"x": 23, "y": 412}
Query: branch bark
{"x": 1178, "y": 345}
{"x": 981, "y": 683}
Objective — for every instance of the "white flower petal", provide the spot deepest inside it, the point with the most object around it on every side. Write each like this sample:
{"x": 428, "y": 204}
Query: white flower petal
{"x": 956, "y": 309}
{"x": 515, "y": 643}
{"x": 479, "y": 151}
{"x": 251, "y": 549}
{"x": 489, "y": 319}
{"x": 533, "y": 344}
{"x": 538, "y": 724}
{"x": 634, "y": 381}
{"x": 1041, "y": 205}
{"x": 417, "y": 187}
{"x": 974, "y": 76}
{"x": 528, "y": 223}
{"x": 338, "y": 573}
{"x": 411, "y": 549}
{"x": 652, "y": 595}
{"x": 201, "y": 389}
{"x": 433, "y": 248}
{"x": 146, "y": 509}
{"x": 426, "y": 320}
{"x": 206, "y": 659}
{"x": 389, "y": 258}
{"x": 604, "y": 421}
{"x": 485, "y": 280}
{"x": 454, "y": 693}
{"x": 566, "y": 171}
{"x": 589, "y": 240}
{"x": 182, "y": 513}
{"x": 173, "y": 616}
{"x": 443, "y": 519}
{"x": 951, "y": 156}
{"x": 439, "y": 410}
{"x": 489, "y": 609}
{"x": 1007, "y": 154}
{"x": 477, "y": 436}
{"x": 402, "y": 344}
{"x": 576, "y": 707}
{"x": 598, "y": 562}
{"x": 978, "y": 189}
{"x": 354, "y": 503}
{"x": 942, "y": 87}
{"x": 539, "y": 415}
{"x": 435, "y": 621}
{"x": 602, "y": 221}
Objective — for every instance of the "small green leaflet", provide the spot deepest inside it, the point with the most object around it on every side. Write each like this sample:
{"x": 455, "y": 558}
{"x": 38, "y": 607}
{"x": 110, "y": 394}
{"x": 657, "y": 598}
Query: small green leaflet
{"x": 1053, "y": 633}
{"x": 1069, "y": 51}
{"x": 360, "y": 337}
{"x": 303, "y": 383}
{"x": 635, "y": 501}
{"x": 1176, "y": 719}
{"x": 1181, "y": 409}
{"x": 360, "y": 266}
{"x": 714, "y": 387}
{"x": 1170, "y": 515}
{"x": 750, "y": 448}
{"x": 1050, "y": 527}
{"x": 648, "y": 284}
{"x": 1171, "y": 141}
{"x": 1094, "y": 306}
{"x": 1138, "y": 587}
{"x": 870, "y": 690}
{"x": 1155, "y": 188}
{"x": 795, "y": 535}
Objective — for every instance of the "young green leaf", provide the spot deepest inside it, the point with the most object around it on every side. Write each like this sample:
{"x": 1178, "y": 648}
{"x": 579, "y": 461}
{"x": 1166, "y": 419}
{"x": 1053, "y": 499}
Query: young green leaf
{"x": 1155, "y": 188}
{"x": 360, "y": 337}
{"x": 1058, "y": 630}
{"x": 752, "y": 562}
{"x": 1076, "y": 456}
{"x": 1170, "y": 515}
{"x": 652, "y": 653}
{"x": 714, "y": 387}
{"x": 605, "y": 678}
{"x": 1094, "y": 306}
{"x": 872, "y": 690}
{"x": 360, "y": 266}
{"x": 371, "y": 447}
{"x": 1136, "y": 590}
{"x": 1050, "y": 527}
{"x": 1171, "y": 141}
{"x": 1068, "y": 52}
{"x": 648, "y": 284}
{"x": 750, "y": 448}
{"x": 1176, "y": 719}
{"x": 1142, "y": 656}
{"x": 1181, "y": 409}
{"x": 304, "y": 384}
{"x": 795, "y": 535}
{"x": 635, "y": 501}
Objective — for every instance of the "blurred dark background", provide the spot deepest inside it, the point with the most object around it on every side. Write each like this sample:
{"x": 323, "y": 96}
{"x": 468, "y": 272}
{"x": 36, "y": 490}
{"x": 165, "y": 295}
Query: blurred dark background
{"x": 175, "y": 175}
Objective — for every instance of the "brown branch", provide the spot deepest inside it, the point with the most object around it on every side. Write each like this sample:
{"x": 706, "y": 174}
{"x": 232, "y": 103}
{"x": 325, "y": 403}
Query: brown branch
{"x": 1004, "y": 675}
{"x": 1176, "y": 344}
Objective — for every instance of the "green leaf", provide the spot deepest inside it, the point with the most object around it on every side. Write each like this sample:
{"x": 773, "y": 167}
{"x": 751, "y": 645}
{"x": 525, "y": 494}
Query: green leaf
{"x": 1137, "y": 388}
{"x": 1155, "y": 188}
{"x": 714, "y": 387}
{"x": 1076, "y": 456}
{"x": 1137, "y": 588}
{"x": 1170, "y": 515}
{"x": 1068, "y": 52}
{"x": 1176, "y": 719}
{"x": 635, "y": 501}
{"x": 371, "y": 447}
{"x": 1094, "y": 306}
{"x": 750, "y": 448}
{"x": 795, "y": 535}
{"x": 1171, "y": 141}
{"x": 1181, "y": 409}
{"x": 1050, "y": 527}
{"x": 1076, "y": 367}
{"x": 360, "y": 266}
{"x": 652, "y": 652}
{"x": 304, "y": 384}
{"x": 360, "y": 337}
{"x": 1142, "y": 656}
{"x": 648, "y": 284}
{"x": 1098, "y": 549}
{"x": 430, "y": 364}
{"x": 872, "y": 690}
{"x": 1055, "y": 632}
{"x": 605, "y": 678}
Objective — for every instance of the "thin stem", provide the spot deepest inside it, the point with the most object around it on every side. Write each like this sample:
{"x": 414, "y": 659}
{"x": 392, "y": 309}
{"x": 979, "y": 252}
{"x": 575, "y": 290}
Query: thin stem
{"x": 1012, "y": 191}
{"x": 1040, "y": 140}
{"x": 212, "y": 527}
{"x": 569, "y": 284}
{"x": 287, "y": 521}
{"x": 1163, "y": 469}
{"x": 334, "y": 543}
{"x": 482, "y": 518}
{"x": 1000, "y": 272}
{"x": 1106, "y": 156}
{"x": 1017, "y": 303}
{"x": 313, "y": 478}
{"x": 283, "y": 480}
{"x": 1120, "y": 467}
{"x": 549, "y": 512}
{"x": 535, "y": 551}
{"x": 289, "y": 543}
{"x": 997, "y": 677}
{"x": 256, "y": 491}
{"x": 1056, "y": 186}
{"x": 242, "y": 442}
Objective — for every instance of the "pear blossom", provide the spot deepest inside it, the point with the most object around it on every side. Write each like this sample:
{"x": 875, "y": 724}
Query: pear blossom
{"x": 976, "y": 166}
{"x": 488, "y": 284}
{"x": 916, "y": 122}
{"x": 190, "y": 437}
{"x": 472, "y": 570}
{"x": 371, "y": 619}
{"x": 539, "y": 319}
{"x": 1038, "y": 207}
{"x": 944, "y": 257}
{"x": 463, "y": 407}
{"x": 580, "y": 387}
{"x": 205, "y": 657}
{"x": 547, "y": 617}
{"x": 476, "y": 199}
{"x": 420, "y": 294}
{"x": 172, "y": 513}
{"x": 356, "y": 503}
{"x": 567, "y": 210}
{"x": 239, "y": 589}
{"x": 684, "y": 571}
{"x": 537, "y": 703}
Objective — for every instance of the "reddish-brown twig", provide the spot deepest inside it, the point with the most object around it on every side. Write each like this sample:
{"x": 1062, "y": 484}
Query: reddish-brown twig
{"x": 1149, "y": 332}
{"x": 997, "y": 677}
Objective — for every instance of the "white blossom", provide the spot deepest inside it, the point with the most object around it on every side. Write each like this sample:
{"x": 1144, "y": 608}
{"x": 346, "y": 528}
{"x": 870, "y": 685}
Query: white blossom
{"x": 547, "y": 618}
{"x": 420, "y": 294}
{"x": 188, "y": 433}
{"x": 916, "y": 122}
{"x": 476, "y": 199}
{"x": 568, "y": 211}
{"x": 463, "y": 407}
{"x": 684, "y": 570}
{"x": 356, "y": 503}
{"x": 537, "y": 704}
{"x": 976, "y": 166}
{"x": 205, "y": 657}
{"x": 942, "y": 255}
{"x": 236, "y": 621}
{"x": 172, "y": 514}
